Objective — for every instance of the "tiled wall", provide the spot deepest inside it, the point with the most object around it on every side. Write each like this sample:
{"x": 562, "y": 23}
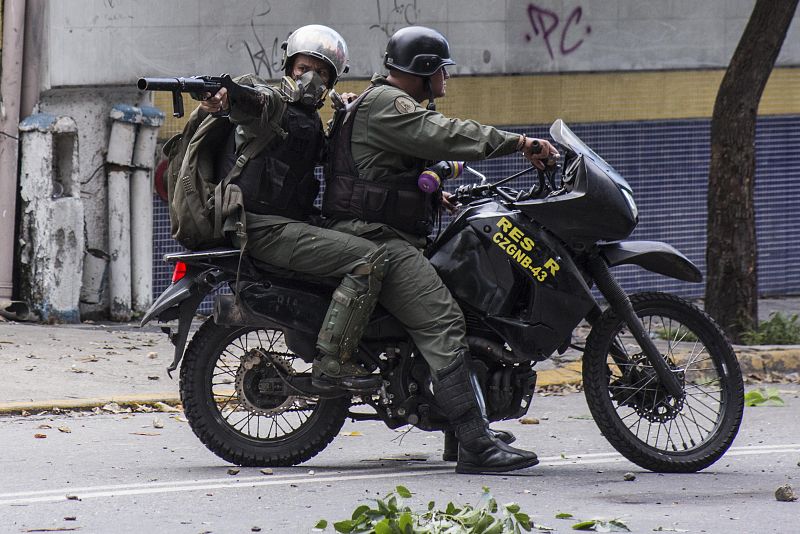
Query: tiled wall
{"x": 666, "y": 163}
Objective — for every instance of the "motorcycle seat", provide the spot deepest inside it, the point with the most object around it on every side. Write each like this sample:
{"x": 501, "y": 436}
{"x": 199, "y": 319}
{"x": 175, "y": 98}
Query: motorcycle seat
{"x": 229, "y": 257}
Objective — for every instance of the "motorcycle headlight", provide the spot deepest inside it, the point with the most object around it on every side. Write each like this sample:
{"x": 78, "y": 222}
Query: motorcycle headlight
{"x": 631, "y": 203}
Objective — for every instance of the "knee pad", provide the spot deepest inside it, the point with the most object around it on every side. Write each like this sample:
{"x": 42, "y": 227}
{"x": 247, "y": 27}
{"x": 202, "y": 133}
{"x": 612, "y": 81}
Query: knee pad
{"x": 351, "y": 306}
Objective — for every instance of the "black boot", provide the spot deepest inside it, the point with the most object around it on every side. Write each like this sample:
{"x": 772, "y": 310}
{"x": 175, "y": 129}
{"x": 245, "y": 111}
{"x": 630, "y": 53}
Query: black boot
{"x": 450, "y": 453}
{"x": 328, "y": 372}
{"x": 479, "y": 451}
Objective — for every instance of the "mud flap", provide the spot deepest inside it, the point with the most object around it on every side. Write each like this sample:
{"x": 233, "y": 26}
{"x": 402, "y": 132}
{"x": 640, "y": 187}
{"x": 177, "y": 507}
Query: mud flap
{"x": 186, "y": 311}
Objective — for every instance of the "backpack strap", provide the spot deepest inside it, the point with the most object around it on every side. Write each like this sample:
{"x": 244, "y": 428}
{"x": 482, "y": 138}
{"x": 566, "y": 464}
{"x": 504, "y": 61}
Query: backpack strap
{"x": 228, "y": 201}
{"x": 229, "y": 214}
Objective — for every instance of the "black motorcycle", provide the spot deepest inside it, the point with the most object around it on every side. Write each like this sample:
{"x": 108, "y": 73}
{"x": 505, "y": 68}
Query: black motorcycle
{"x": 660, "y": 378}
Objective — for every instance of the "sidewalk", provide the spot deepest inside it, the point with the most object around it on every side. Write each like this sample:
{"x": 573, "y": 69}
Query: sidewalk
{"x": 88, "y": 365}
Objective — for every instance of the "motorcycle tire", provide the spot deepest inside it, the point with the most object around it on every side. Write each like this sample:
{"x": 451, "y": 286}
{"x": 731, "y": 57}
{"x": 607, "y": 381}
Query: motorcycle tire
{"x": 637, "y": 416}
{"x": 208, "y": 389}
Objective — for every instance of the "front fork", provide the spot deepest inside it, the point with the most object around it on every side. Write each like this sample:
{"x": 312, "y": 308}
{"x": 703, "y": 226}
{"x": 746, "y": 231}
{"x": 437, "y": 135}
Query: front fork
{"x": 620, "y": 303}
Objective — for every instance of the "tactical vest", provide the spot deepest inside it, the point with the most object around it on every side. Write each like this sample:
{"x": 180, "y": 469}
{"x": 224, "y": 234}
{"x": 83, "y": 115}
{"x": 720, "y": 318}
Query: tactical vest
{"x": 398, "y": 202}
{"x": 281, "y": 181}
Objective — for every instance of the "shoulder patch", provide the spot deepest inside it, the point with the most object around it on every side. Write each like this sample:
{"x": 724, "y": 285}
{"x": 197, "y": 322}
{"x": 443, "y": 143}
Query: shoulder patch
{"x": 404, "y": 104}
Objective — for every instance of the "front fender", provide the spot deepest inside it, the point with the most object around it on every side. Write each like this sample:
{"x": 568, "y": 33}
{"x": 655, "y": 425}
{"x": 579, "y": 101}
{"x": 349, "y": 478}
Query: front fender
{"x": 654, "y": 256}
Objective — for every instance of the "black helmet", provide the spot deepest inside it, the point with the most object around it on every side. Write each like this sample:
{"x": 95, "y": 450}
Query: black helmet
{"x": 417, "y": 50}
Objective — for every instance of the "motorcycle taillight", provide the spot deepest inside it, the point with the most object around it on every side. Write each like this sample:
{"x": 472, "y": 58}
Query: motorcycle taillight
{"x": 179, "y": 272}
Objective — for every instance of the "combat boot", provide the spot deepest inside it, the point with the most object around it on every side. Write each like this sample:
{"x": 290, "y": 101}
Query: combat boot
{"x": 458, "y": 393}
{"x": 329, "y": 372}
{"x": 450, "y": 452}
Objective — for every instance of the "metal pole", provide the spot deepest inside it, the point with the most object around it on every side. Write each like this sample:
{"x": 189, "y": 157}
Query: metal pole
{"x": 120, "y": 152}
{"x": 10, "y": 89}
{"x": 142, "y": 209}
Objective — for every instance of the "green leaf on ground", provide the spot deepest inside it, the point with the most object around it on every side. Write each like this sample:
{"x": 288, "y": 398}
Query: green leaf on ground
{"x": 601, "y": 525}
{"x": 394, "y": 517}
{"x": 763, "y": 397}
{"x": 344, "y": 526}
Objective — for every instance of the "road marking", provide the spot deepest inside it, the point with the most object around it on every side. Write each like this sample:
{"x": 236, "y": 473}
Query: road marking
{"x": 93, "y": 492}
{"x": 121, "y": 490}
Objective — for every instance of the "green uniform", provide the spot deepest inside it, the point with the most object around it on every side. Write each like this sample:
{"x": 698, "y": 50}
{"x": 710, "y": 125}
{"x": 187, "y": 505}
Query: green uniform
{"x": 288, "y": 243}
{"x": 299, "y": 246}
{"x": 392, "y": 137}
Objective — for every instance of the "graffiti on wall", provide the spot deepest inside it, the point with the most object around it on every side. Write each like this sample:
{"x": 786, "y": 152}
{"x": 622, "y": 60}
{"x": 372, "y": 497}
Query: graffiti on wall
{"x": 561, "y": 36}
{"x": 265, "y": 57}
{"x": 393, "y": 15}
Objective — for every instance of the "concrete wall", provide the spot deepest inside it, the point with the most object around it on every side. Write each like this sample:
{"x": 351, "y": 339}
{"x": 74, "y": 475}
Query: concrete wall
{"x": 93, "y": 50}
{"x": 90, "y": 109}
{"x": 101, "y": 42}
{"x": 52, "y": 222}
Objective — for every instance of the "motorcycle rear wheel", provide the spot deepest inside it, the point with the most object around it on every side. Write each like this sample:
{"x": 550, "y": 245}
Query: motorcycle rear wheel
{"x": 636, "y": 415}
{"x": 230, "y": 388}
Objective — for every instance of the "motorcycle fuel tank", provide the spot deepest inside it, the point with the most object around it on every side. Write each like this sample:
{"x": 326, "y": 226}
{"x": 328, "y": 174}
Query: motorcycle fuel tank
{"x": 498, "y": 263}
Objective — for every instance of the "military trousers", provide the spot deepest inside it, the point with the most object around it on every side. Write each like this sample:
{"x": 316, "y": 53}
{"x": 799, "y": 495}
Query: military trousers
{"x": 413, "y": 292}
{"x": 304, "y": 248}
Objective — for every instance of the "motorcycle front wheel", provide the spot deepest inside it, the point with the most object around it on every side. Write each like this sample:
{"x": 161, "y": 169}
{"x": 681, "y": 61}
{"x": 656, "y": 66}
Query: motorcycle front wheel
{"x": 237, "y": 400}
{"x": 636, "y": 414}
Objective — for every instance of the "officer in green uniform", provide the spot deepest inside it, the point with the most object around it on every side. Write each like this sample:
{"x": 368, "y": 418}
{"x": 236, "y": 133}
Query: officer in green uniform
{"x": 377, "y": 153}
{"x": 279, "y": 189}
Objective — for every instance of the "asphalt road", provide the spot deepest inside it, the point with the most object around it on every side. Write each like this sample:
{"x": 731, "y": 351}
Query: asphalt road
{"x": 122, "y": 473}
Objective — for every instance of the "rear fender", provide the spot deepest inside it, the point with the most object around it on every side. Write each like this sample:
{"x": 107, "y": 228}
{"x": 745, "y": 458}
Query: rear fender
{"x": 654, "y": 256}
{"x": 180, "y": 301}
{"x": 170, "y": 299}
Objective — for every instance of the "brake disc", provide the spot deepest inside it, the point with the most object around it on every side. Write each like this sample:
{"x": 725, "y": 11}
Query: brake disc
{"x": 652, "y": 403}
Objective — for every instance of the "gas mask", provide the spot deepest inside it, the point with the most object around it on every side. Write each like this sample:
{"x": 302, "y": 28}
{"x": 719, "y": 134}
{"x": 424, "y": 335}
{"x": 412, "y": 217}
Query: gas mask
{"x": 308, "y": 89}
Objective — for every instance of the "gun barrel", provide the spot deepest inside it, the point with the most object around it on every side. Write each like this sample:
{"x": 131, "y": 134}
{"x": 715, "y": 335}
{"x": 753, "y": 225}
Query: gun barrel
{"x": 183, "y": 85}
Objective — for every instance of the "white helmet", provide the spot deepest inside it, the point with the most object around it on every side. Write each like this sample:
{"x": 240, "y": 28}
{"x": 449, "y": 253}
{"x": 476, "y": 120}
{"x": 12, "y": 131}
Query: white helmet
{"x": 320, "y": 42}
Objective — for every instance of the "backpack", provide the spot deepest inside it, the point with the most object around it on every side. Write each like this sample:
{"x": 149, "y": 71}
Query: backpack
{"x": 203, "y": 208}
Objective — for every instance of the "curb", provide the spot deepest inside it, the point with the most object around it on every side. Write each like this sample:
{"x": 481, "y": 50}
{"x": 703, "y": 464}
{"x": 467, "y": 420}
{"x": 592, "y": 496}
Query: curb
{"x": 567, "y": 374}
{"x": 9, "y": 408}
{"x": 752, "y": 360}
{"x": 768, "y": 359}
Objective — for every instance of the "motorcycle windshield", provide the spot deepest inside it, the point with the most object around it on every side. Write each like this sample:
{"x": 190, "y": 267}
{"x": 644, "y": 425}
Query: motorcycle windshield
{"x": 561, "y": 133}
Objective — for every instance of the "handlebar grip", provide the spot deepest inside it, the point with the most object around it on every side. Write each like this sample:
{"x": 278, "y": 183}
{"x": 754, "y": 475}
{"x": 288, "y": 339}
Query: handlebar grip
{"x": 536, "y": 147}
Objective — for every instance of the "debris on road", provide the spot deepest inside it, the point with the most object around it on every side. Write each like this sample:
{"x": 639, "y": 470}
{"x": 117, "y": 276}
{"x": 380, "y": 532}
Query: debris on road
{"x": 164, "y": 407}
{"x": 785, "y": 493}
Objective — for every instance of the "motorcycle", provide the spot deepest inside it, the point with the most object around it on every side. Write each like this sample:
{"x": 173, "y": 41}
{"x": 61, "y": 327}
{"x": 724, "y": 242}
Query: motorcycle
{"x": 660, "y": 378}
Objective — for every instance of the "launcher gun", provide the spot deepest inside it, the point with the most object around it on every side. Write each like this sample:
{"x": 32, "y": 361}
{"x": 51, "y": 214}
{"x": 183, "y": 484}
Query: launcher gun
{"x": 198, "y": 86}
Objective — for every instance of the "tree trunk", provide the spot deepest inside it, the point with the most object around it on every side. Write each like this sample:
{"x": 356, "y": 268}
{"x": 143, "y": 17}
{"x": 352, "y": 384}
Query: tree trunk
{"x": 732, "y": 281}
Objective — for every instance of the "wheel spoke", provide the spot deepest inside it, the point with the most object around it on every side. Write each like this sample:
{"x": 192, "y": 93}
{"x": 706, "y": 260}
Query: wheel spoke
{"x": 247, "y": 410}
{"x": 645, "y": 412}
